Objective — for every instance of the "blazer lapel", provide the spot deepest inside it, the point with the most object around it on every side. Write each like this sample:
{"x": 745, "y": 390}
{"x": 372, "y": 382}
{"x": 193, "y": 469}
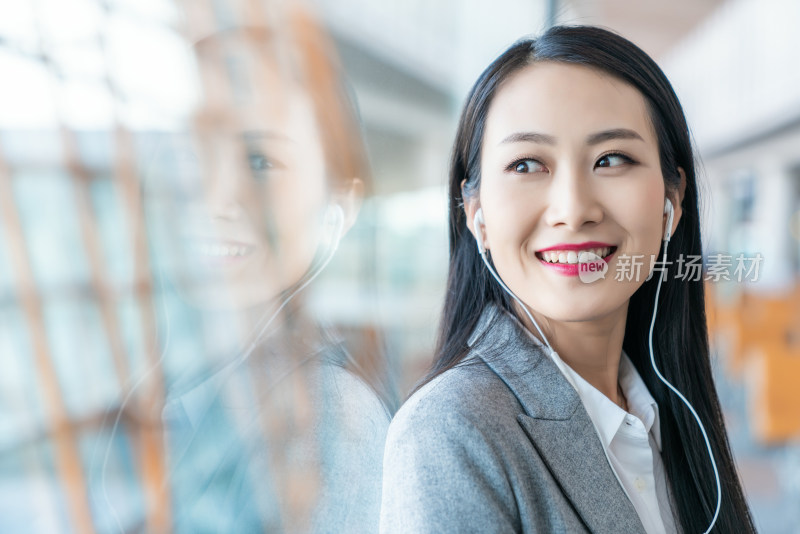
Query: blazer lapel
{"x": 556, "y": 423}
{"x": 575, "y": 457}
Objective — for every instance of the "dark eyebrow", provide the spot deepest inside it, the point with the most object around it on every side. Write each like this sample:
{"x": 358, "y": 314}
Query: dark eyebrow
{"x": 610, "y": 135}
{"x": 255, "y": 135}
{"x": 593, "y": 139}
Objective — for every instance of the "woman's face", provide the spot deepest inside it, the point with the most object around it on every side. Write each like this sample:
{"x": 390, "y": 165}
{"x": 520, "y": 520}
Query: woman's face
{"x": 247, "y": 219}
{"x": 570, "y": 165}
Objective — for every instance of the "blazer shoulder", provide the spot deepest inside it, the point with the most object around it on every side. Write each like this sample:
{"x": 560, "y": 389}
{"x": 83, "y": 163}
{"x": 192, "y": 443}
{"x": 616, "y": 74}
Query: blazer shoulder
{"x": 446, "y": 456}
{"x": 470, "y": 392}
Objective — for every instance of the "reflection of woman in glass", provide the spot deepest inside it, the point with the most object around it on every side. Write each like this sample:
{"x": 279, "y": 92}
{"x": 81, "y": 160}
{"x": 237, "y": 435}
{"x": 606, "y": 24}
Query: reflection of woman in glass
{"x": 543, "y": 411}
{"x": 279, "y": 429}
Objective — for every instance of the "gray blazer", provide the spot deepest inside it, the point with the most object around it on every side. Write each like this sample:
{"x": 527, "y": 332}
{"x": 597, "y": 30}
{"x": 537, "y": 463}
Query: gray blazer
{"x": 500, "y": 443}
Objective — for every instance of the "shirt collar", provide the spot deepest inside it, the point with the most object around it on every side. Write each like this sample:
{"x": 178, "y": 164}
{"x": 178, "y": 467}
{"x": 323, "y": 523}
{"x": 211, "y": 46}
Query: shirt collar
{"x": 607, "y": 416}
{"x": 640, "y": 402}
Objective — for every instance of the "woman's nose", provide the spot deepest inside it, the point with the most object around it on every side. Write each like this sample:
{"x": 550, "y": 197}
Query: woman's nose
{"x": 572, "y": 202}
{"x": 224, "y": 183}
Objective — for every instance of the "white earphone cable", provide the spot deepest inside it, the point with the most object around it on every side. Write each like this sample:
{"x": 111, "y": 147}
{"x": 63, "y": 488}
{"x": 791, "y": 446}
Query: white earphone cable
{"x": 266, "y": 322}
{"x": 685, "y": 401}
{"x": 513, "y": 296}
{"x": 482, "y": 251}
{"x": 478, "y": 223}
{"x": 259, "y": 333}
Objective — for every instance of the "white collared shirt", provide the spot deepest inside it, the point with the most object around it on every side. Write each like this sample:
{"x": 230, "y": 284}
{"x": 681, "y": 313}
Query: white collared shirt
{"x": 631, "y": 441}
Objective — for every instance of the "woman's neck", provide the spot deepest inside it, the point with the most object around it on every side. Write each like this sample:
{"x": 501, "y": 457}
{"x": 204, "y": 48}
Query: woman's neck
{"x": 591, "y": 348}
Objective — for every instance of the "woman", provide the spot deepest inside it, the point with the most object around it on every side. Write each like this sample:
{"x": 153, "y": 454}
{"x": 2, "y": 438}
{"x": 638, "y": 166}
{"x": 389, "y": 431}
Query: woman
{"x": 279, "y": 428}
{"x": 542, "y": 412}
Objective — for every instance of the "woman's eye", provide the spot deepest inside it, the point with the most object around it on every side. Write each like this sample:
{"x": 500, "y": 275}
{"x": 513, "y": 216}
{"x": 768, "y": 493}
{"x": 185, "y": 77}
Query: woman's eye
{"x": 613, "y": 160}
{"x": 527, "y": 166}
{"x": 259, "y": 162}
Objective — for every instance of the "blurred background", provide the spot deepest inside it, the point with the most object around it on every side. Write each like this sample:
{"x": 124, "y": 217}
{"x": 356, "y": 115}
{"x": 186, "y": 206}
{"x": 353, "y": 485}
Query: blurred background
{"x": 99, "y": 101}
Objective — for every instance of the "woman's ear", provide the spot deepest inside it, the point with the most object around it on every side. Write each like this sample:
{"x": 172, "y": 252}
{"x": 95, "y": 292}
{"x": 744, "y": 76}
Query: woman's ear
{"x": 471, "y": 207}
{"x": 349, "y": 198}
{"x": 676, "y": 197}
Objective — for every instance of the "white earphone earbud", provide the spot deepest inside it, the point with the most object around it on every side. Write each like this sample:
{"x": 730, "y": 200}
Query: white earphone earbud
{"x": 478, "y": 223}
{"x": 669, "y": 210}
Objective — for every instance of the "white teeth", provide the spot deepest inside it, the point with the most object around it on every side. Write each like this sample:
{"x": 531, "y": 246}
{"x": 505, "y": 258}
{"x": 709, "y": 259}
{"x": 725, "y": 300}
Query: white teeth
{"x": 221, "y": 251}
{"x": 572, "y": 256}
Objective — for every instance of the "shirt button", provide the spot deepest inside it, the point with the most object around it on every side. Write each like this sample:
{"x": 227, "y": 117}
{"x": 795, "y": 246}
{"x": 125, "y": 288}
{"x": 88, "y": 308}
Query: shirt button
{"x": 640, "y": 484}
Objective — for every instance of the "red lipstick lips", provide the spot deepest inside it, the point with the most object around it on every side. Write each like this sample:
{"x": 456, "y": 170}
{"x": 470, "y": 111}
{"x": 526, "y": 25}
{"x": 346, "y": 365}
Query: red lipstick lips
{"x": 572, "y": 269}
{"x": 579, "y": 246}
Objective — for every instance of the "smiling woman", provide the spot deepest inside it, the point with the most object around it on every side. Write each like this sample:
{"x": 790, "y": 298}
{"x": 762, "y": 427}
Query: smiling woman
{"x": 273, "y": 187}
{"x": 553, "y": 405}
{"x": 274, "y": 424}
{"x": 575, "y": 168}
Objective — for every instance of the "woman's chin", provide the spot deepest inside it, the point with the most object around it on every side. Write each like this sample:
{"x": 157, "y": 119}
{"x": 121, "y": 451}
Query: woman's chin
{"x": 579, "y": 310}
{"x": 227, "y": 297}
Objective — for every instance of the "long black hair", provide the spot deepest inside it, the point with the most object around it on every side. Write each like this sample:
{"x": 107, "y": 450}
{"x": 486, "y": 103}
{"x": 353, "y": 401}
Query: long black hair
{"x": 681, "y": 339}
